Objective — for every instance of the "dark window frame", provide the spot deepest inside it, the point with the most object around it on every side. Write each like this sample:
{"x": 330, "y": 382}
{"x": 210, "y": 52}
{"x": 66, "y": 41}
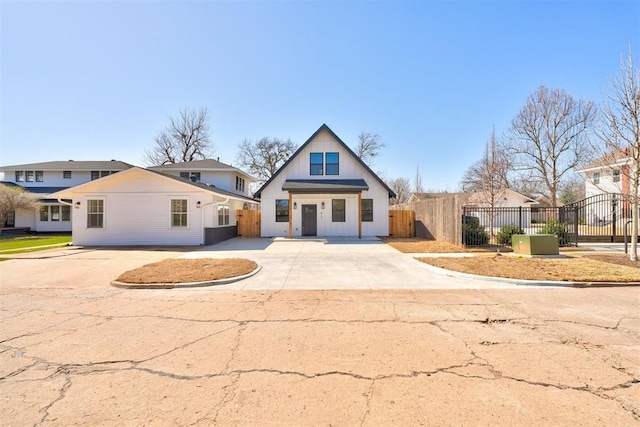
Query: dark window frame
{"x": 366, "y": 211}
{"x": 338, "y": 213}
{"x": 65, "y": 213}
{"x": 66, "y": 174}
{"x": 95, "y": 175}
{"x": 39, "y": 176}
{"x": 19, "y": 176}
{"x": 615, "y": 175}
{"x": 314, "y": 165}
{"x": 280, "y": 215}
{"x": 329, "y": 166}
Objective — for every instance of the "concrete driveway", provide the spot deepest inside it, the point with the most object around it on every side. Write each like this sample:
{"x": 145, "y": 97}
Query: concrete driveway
{"x": 333, "y": 263}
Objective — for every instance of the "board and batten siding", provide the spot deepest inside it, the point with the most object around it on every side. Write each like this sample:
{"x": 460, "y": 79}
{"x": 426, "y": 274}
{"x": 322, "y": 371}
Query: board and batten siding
{"x": 350, "y": 168}
{"x": 137, "y": 211}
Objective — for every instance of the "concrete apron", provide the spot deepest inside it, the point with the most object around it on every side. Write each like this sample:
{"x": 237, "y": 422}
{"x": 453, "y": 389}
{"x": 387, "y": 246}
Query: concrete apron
{"x": 335, "y": 263}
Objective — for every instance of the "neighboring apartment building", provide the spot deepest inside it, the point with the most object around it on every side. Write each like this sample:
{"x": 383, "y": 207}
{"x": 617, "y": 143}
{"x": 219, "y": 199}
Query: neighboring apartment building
{"x": 46, "y": 178}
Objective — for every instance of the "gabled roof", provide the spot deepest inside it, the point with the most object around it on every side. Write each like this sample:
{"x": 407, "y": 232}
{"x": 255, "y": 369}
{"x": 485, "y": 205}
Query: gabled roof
{"x": 201, "y": 186}
{"x": 345, "y": 146}
{"x": 200, "y": 165}
{"x": 65, "y": 165}
{"x": 609, "y": 160}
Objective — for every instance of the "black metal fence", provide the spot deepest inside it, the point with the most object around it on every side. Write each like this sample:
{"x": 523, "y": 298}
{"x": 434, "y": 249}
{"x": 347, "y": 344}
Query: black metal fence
{"x": 600, "y": 218}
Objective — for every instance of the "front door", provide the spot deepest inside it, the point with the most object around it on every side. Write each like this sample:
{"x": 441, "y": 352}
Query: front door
{"x": 309, "y": 220}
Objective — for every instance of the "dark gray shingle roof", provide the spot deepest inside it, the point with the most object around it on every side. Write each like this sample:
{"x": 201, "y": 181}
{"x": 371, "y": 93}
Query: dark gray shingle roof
{"x": 325, "y": 185}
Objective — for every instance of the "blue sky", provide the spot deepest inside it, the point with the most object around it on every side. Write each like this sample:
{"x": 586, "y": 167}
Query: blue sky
{"x": 89, "y": 80}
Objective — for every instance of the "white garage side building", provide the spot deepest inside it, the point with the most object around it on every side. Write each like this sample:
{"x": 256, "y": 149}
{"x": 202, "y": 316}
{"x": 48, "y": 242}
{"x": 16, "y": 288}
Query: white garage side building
{"x": 142, "y": 207}
{"x": 324, "y": 189}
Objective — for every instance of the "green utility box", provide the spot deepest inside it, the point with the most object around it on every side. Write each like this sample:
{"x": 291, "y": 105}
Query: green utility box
{"x": 535, "y": 244}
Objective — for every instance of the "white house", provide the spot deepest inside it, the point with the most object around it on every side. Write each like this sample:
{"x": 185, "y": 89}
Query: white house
{"x": 43, "y": 179}
{"x": 607, "y": 175}
{"x": 324, "y": 189}
{"x": 210, "y": 172}
{"x": 147, "y": 207}
{"x": 505, "y": 198}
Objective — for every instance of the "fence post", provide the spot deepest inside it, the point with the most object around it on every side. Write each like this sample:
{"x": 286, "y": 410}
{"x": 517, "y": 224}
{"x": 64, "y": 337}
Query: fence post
{"x": 520, "y": 217}
{"x": 464, "y": 216}
{"x": 576, "y": 223}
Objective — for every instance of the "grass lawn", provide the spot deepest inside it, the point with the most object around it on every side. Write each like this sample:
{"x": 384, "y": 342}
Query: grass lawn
{"x": 574, "y": 268}
{"x": 14, "y": 244}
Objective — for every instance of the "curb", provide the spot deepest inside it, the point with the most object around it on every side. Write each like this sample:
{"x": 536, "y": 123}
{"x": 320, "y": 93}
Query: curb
{"x": 523, "y": 282}
{"x": 207, "y": 283}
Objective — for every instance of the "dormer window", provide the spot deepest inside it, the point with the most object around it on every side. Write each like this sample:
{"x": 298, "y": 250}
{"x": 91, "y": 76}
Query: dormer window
{"x": 316, "y": 164}
{"x": 333, "y": 163}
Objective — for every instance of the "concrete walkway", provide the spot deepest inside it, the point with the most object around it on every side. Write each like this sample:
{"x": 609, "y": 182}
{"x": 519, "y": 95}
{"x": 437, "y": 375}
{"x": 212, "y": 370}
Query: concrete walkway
{"x": 334, "y": 263}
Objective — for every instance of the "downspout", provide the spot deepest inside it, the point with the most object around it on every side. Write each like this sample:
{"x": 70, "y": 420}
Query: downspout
{"x": 226, "y": 200}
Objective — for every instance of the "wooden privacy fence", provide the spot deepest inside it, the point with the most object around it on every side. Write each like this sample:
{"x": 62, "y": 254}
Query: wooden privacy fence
{"x": 248, "y": 223}
{"x": 401, "y": 223}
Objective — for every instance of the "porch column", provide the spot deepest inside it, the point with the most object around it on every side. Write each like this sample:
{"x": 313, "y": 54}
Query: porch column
{"x": 290, "y": 215}
{"x": 359, "y": 215}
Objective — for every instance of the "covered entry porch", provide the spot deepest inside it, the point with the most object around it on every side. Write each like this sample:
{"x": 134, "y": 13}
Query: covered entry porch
{"x": 325, "y": 207}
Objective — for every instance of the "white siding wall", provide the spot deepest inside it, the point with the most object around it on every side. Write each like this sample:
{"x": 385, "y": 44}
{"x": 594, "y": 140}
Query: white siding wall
{"x": 26, "y": 218}
{"x": 54, "y": 178}
{"x": 606, "y": 184}
{"x": 350, "y": 168}
{"x": 138, "y": 212}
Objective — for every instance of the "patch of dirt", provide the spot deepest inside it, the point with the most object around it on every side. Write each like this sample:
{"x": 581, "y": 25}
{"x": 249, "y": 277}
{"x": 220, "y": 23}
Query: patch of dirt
{"x": 574, "y": 269}
{"x": 189, "y": 270}
{"x": 419, "y": 245}
{"x": 615, "y": 259}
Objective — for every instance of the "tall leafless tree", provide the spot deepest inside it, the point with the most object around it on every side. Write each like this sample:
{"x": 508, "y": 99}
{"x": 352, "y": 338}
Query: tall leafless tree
{"x": 13, "y": 198}
{"x": 186, "y": 138}
{"x": 490, "y": 174}
{"x": 417, "y": 181}
{"x": 263, "y": 158}
{"x": 368, "y": 147}
{"x": 487, "y": 178}
{"x": 549, "y": 136}
{"x": 402, "y": 188}
{"x": 620, "y": 135}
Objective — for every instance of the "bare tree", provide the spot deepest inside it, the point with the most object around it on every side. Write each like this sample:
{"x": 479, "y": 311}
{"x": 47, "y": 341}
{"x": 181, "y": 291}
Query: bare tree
{"x": 548, "y": 137}
{"x": 490, "y": 174}
{"x": 572, "y": 189}
{"x": 264, "y": 157}
{"x": 417, "y": 181}
{"x": 402, "y": 188}
{"x": 13, "y": 198}
{"x": 186, "y": 138}
{"x": 368, "y": 147}
{"x": 487, "y": 178}
{"x": 620, "y": 135}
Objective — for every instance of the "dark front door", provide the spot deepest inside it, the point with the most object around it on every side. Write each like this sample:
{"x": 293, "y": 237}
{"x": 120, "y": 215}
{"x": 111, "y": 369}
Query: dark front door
{"x": 309, "y": 220}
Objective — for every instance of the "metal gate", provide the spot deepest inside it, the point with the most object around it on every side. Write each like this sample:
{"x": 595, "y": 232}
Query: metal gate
{"x": 600, "y": 218}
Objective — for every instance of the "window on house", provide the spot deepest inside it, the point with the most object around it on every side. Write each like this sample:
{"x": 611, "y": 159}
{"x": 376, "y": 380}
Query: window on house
{"x": 184, "y": 175}
{"x": 66, "y": 213}
{"x": 317, "y": 165}
{"x": 337, "y": 210}
{"x": 44, "y": 213}
{"x": 239, "y": 183}
{"x": 596, "y": 177}
{"x": 19, "y": 176}
{"x": 55, "y": 213}
{"x": 333, "y": 163}
{"x": 195, "y": 177}
{"x": 95, "y": 175}
{"x": 616, "y": 175}
{"x": 104, "y": 173}
{"x": 223, "y": 214}
{"x": 39, "y": 176}
{"x": 95, "y": 213}
{"x": 178, "y": 212}
{"x": 367, "y": 210}
{"x": 66, "y": 174}
{"x": 282, "y": 210}
{"x": 29, "y": 176}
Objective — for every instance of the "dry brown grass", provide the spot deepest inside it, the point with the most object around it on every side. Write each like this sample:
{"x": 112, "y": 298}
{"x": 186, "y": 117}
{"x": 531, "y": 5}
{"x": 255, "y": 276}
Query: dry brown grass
{"x": 189, "y": 270}
{"x": 574, "y": 269}
{"x": 615, "y": 259}
{"x": 417, "y": 245}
